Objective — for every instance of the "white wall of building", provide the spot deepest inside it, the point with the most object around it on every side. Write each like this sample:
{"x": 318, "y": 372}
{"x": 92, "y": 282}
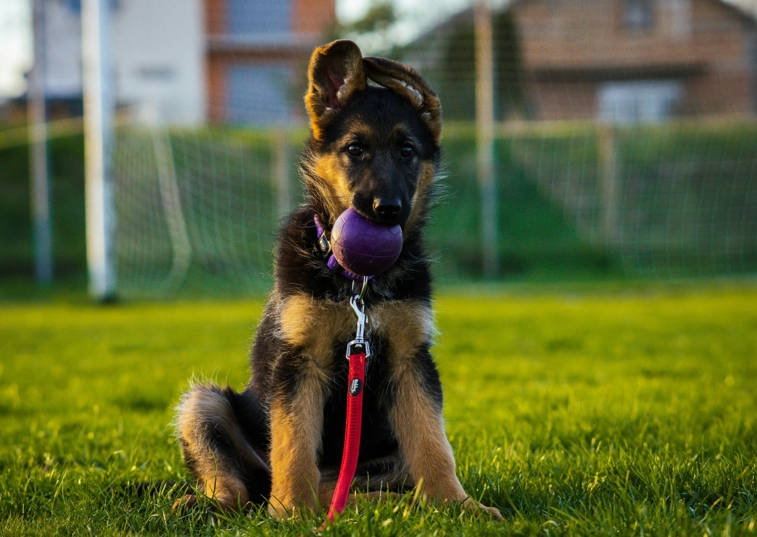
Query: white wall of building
{"x": 63, "y": 58}
{"x": 158, "y": 56}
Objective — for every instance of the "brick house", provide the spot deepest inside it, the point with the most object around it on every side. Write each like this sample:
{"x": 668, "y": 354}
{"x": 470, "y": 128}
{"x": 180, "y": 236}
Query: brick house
{"x": 614, "y": 60}
{"x": 256, "y": 56}
{"x": 631, "y": 60}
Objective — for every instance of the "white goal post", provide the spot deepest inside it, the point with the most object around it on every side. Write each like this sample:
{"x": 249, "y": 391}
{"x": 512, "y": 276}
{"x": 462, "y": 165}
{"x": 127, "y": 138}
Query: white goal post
{"x": 98, "y": 136}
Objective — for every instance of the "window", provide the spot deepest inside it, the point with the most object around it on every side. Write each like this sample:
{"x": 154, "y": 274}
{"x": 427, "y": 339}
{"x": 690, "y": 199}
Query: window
{"x": 638, "y": 14}
{"x": 257, "y": 94}
{"x": 156, "y": 73}
{"x": 639, "y": 101}
{"x": 248, "y": 17}
{"x": 75, "y": 5}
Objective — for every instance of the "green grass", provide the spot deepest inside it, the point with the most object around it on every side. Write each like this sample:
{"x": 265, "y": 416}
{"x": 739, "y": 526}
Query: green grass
{"x": 625, "y": 411}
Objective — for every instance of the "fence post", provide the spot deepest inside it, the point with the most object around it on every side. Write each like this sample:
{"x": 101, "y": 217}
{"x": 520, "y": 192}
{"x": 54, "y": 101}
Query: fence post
{"x": 485, "y": 136}
{"x": 38, "y": 156}
{"x": 609, "y": 189}
{"x": 280, "y": 170}
{"x": 98, "y": 135}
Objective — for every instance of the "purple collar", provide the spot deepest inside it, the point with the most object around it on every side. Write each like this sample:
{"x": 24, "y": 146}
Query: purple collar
{"x": 325, "y": 246}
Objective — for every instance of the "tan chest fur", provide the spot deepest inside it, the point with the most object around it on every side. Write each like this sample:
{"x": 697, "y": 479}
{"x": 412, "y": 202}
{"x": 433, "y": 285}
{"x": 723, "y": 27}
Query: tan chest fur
{"x": 314, "y": 325}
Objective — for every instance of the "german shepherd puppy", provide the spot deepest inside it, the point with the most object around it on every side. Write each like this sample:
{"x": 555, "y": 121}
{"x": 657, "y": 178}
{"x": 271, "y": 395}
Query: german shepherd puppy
{"x": 375, "y": 147}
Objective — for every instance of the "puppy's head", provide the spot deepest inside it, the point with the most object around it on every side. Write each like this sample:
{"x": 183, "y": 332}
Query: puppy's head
{"x": 374, "y": 146}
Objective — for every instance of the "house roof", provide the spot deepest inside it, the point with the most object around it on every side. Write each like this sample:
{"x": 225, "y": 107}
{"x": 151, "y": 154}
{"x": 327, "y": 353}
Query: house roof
{"x": 740, "y": 11}
{"x": 466, "y": 16}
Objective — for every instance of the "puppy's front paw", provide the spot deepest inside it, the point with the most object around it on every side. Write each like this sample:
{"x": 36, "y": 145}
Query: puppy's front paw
{"x": 475, "y": 507}
{"x": 283, "y": 510}
{"x": 278, "y": 511}
{"x": 185, "y": 503}
{"x": 493, "y": 512}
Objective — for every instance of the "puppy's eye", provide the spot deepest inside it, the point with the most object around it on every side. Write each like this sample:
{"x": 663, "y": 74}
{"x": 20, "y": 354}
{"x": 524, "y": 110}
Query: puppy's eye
{"x": 355, "y": 150}
{"x": 407, "y": 151}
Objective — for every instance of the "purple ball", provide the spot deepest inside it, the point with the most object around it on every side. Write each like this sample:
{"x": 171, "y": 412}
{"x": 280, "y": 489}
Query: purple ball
{"x": 364, "y": 247}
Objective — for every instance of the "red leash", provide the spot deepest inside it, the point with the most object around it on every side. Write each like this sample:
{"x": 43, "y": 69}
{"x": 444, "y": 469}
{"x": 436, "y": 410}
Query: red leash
{"x": 351, "y": 435}
{"x": 358, "y": 352}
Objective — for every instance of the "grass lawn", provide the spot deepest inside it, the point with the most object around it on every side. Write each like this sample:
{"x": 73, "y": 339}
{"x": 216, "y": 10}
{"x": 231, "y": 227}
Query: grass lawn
{"x": 614, "y": 412}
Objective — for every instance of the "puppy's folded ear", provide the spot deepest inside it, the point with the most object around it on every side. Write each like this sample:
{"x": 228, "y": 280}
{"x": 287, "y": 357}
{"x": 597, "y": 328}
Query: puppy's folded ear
{"x": 334, "y": 74}
{"x": 408, "y": 83}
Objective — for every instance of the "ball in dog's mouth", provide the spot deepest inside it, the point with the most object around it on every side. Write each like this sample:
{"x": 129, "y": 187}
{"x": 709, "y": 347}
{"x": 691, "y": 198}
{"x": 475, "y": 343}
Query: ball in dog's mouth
{"x": 365, "y": 247}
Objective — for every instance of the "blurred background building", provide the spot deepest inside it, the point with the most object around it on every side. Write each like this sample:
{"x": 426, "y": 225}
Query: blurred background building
{"x": 642, "y": 61}
{"x": 158, "y": 57}
{"x": 255, "y": 51}
{"x": 613, "y": 60}
{"x": 191, "y": 61}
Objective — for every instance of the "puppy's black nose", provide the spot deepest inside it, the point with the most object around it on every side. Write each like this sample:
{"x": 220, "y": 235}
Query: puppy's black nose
{"x": 387, "y": 208}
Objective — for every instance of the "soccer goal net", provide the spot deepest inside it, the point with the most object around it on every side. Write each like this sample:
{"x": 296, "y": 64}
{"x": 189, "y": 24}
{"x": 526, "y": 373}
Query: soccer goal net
{"x": 198, "y": 209}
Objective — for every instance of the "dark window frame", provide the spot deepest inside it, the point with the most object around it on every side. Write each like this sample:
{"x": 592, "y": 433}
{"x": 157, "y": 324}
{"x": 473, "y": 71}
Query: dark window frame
{"x": 638, "y": 15}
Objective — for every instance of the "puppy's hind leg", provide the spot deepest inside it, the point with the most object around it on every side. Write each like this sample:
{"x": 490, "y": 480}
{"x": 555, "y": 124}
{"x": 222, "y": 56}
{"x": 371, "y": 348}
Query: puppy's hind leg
{"x": 223, "y": 437}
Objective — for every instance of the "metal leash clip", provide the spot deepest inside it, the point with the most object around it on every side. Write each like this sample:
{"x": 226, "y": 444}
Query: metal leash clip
{"x": 359, "y": 345}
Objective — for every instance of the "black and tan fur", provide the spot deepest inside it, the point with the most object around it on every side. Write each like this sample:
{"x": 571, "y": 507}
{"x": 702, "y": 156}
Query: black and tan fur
{"x": 374, "y": 145}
